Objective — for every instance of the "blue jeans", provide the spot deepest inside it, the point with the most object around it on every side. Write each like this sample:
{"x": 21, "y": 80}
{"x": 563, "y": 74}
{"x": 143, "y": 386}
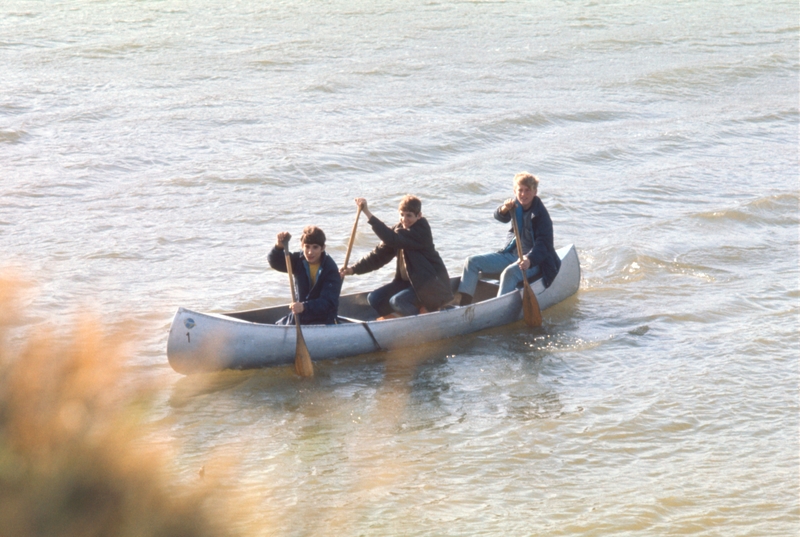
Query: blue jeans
{"x": 504, "y": 263}
{"x": 397, "y": 296}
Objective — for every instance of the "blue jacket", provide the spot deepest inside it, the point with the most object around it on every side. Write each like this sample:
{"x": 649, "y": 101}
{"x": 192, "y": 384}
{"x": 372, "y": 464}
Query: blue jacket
{"x": 321, "y": 302}
{"x": 543, "y": 254}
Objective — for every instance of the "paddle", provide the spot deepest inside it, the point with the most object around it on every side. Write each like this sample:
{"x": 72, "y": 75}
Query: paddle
{"x": 530, "y": 306}
{"x": 302, "y": 359}
{"x": 352, "y": 238}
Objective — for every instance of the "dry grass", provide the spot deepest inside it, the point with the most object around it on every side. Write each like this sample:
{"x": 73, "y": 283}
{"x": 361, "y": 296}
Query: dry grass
{"x": 72, "y": 461}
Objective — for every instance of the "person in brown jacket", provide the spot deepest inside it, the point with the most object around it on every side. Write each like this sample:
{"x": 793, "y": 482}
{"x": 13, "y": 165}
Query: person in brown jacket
{"x": 421, "y": 279}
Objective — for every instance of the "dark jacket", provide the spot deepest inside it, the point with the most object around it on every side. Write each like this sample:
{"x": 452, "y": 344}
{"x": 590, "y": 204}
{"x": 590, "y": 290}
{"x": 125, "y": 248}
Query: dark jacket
{"x": 426, "y": 270}
{"x": 320, "y": 303}
{"x": 543, "y": 254}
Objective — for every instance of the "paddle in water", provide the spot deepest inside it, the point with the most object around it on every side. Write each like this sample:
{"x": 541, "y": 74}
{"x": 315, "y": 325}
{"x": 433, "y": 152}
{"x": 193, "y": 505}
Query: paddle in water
{"x": 530, "y": 306}
{"x": 350, "y": 244}
{"x": 302, "y": 358}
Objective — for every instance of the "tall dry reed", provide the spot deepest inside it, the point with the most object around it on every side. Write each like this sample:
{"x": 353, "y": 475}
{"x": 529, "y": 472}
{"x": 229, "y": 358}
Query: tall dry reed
{"x": 73, "y": 461}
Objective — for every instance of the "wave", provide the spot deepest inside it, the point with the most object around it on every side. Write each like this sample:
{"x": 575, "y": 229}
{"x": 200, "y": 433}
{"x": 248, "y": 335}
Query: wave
{"x": 285, "y": 176}
{"x": 12, "y": 136}
{"x": 114, "y": 256}
{"x": 108, "y": 51}
{"x": 699, "y": 80}
{"x": 788, "y": 115}
{"x": 615, "y": 265}
{"x": 778, "y": 209}
{"x": 378, "y": 154}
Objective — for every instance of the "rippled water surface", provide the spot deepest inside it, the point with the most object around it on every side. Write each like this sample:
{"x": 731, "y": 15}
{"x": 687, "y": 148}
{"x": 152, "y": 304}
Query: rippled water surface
{"x": 151, "y": 150}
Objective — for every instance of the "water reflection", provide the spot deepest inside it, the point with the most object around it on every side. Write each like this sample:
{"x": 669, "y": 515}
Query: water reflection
{"x": 368, "y": 428}
{"x": 189, "y": 387}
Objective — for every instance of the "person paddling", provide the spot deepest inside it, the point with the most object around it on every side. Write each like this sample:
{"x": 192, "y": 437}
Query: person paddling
{"x": 536, "y": 235}
{"x": 316, "y": 278}
{"x": 421, "y": 279}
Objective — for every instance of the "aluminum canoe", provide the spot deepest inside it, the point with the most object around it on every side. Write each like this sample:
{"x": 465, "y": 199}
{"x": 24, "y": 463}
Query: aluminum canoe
{"x": 201, "y": 342}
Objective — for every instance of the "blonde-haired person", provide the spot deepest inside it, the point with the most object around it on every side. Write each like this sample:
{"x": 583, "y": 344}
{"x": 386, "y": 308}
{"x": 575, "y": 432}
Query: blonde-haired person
{"x": 536, "y": 234}
{"x": 421, "y": 279}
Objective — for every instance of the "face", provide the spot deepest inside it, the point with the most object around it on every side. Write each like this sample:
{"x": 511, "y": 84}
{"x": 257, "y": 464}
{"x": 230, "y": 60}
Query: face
{"x": 408, "y": 219}
{"x": 313, "y": 252}
{"x": 524, "y": 195}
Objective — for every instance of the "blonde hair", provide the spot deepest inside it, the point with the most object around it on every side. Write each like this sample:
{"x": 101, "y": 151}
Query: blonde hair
{"x": 527, "y": 179}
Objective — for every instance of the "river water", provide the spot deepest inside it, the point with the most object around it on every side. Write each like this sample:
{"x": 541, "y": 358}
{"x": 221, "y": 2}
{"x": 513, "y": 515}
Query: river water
{"x": 150, "y": 151}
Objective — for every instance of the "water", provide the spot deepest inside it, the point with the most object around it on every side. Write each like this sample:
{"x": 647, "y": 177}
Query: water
{"x": 150, "y": 152}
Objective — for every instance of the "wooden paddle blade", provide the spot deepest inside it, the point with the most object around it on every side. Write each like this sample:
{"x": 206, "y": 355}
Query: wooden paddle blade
{"x": 530, "y": 307}
{"x": 302, "y": 358}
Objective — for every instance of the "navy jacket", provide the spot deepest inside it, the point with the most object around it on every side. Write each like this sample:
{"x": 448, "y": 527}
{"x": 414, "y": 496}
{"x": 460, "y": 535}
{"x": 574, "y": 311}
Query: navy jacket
{"x": 426, "y": 270}
{"x": 543, "y": 254}
{"x": 321, "y": 302}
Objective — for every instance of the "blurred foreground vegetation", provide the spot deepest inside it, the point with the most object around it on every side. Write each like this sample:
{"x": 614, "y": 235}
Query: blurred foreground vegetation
{"x": 72, "y": 458}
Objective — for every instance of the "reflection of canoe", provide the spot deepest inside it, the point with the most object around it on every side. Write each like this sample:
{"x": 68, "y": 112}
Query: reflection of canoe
{"x": 249, "y": 339}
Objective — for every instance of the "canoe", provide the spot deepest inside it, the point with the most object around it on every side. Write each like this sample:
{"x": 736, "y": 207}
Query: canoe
{"x": 200, "y": 342}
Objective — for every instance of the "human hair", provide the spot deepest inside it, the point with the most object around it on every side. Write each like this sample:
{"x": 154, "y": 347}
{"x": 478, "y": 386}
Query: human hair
{"x": 411, "y": 204}
{"x": 313, "y": 235}
{"x": 527, "y": 179}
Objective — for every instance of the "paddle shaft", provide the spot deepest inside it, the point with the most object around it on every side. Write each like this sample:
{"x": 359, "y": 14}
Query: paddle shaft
{"x": 302, "y": 358}
{"x": 352, "y": 239}
{"x": 530, "y": 306}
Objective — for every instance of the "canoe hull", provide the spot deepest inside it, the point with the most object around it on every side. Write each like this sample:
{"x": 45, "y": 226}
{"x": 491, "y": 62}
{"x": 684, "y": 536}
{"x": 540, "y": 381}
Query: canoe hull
{"x": 201, "y": 342}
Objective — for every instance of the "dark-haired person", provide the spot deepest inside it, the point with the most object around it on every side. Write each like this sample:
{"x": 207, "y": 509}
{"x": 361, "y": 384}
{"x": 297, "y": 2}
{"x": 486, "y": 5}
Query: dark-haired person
{"x": 420, "y": 279}
{"x": 316, "y": 278}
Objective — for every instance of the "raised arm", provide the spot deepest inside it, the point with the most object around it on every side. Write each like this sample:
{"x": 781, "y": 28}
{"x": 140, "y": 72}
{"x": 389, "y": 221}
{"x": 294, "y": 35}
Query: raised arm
{"x": 276, "y": 258}
{"x": 503, "y": 212}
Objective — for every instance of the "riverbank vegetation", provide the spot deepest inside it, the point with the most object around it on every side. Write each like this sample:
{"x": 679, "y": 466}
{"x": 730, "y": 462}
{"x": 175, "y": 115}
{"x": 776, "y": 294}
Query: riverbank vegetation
{"x": 73, "y": 459}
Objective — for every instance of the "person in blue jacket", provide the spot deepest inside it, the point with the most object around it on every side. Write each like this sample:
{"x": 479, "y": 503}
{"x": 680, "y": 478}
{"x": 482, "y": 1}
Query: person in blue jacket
{"x": 316, "y": 278}
{"x": 536, "y": 234}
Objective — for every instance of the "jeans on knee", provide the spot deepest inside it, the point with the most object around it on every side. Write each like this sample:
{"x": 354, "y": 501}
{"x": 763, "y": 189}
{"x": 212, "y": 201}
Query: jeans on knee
{"x": 405, "y": 302}
{"x": 493, "y": 263}
{"x": 512, "y": 277}
{"x": 381, "y": 299}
